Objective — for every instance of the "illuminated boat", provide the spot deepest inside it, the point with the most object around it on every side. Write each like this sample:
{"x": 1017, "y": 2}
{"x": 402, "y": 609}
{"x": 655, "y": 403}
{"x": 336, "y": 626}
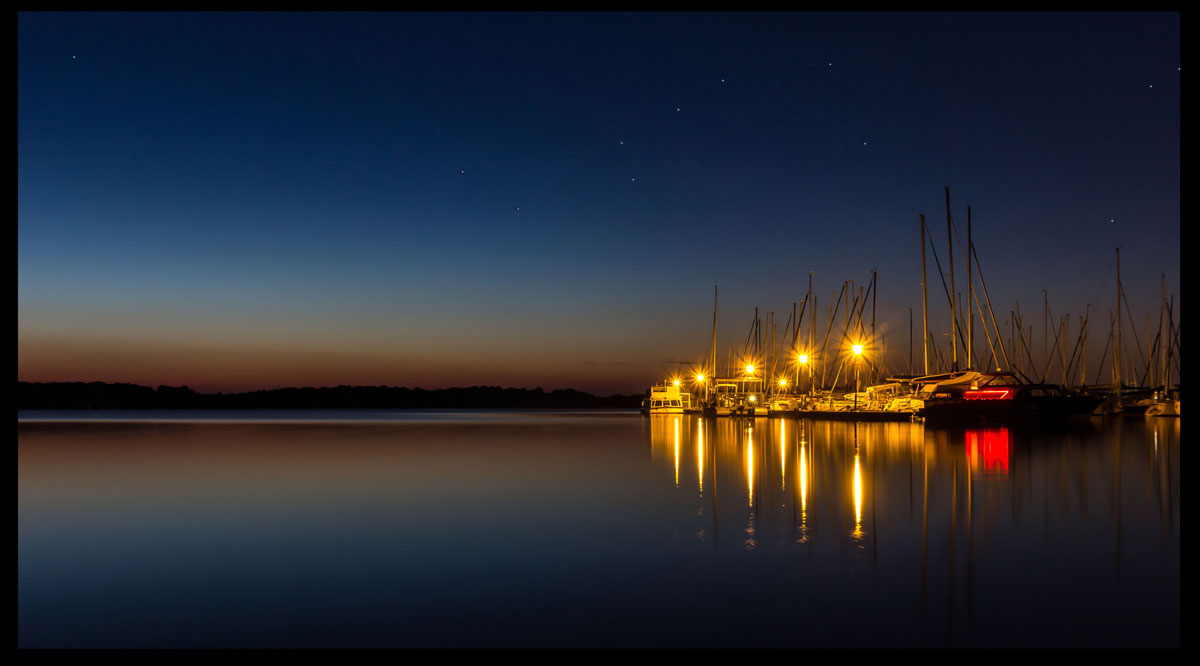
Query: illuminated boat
{"x": 667, "y": 399}
{"x": 1164, "y": 405}
{"x": 783, "y": 405}
{"x": 999, "y": 396}
{"x": 1164, "y": 408}
{"x": 738, "y": 396}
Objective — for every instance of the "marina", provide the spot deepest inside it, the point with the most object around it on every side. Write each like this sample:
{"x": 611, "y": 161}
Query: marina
{"x": 786, "y": 376}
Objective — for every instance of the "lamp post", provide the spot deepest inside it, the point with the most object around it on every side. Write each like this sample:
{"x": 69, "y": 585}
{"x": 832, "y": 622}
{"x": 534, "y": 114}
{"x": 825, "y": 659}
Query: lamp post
{"x": 749, "y": 378}
{"x": 700, "y": 380}
{"x": 857, "y": 355}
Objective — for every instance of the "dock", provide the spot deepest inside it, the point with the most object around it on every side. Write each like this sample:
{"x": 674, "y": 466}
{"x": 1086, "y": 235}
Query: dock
{"x": 871, "y": 415}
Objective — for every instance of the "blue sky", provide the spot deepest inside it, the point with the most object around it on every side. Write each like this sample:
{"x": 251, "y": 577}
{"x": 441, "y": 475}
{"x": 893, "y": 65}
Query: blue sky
{"x": 548, "y": 199}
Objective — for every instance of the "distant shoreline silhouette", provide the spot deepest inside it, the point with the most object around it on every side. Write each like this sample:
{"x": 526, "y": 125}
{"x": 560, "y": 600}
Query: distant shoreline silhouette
{"x": 101, "y": 395}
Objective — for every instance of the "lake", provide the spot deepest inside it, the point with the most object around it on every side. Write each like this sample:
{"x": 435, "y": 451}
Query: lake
{"x": 591, "y": 529}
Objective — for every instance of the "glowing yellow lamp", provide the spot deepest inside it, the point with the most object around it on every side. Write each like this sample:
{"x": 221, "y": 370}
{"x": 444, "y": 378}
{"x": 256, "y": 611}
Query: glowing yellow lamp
{"x": 750, "y": 369}
{"x": 857, "y": 349}
{"x": 804, "y": 358}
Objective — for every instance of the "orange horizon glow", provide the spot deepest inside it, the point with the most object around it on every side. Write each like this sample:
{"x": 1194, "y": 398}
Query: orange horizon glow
{"x": 231, "y": 368}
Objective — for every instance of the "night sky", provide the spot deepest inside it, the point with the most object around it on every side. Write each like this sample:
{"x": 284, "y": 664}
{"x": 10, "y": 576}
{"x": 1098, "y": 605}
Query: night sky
{"x": 242, "y": 201}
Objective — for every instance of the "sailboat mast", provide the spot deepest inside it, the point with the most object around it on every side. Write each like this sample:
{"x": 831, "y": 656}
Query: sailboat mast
{"x": 1117, "y": 349}
{"x": 970, "y": 299}
{"x": 1087, "y": 313}
{"x": 924, "y": 302}
{"x": 874, "y": 295}
{"x": 812, "y": 322}
{"x": 713, "y": 348}
{"x": 1045, "y": 332}
{"x": 1162, "y": 339}
{"x": 953, "y": 310}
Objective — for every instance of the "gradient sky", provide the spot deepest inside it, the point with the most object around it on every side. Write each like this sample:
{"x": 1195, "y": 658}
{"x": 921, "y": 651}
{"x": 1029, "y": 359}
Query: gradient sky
{"x": 241, "y": 201}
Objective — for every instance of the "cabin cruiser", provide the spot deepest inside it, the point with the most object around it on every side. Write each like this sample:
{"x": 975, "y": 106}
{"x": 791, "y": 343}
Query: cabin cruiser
{"x": 667, "y": 399}
{"x": 973, "y": 396}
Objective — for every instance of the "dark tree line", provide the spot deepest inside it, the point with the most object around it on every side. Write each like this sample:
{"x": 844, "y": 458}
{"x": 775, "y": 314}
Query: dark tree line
{"x": 100, "y": 395}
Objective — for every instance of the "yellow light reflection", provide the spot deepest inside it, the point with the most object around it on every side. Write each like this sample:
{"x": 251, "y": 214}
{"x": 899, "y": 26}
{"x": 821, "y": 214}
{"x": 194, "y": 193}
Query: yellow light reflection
{"x": 676, "y": 453}
{"x": 750, "y": 464}
{"x": 857, "y": 497}
{"x": 803, "y": 485}
{"x": 782, "y": 455}
{"x": 700, "y": 454}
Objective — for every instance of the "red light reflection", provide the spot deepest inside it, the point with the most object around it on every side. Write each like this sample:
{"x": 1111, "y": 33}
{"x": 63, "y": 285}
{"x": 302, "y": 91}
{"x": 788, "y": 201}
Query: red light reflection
{"x": 991, "y": 448}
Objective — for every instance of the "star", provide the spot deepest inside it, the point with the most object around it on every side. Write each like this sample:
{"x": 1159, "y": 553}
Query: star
{"x": 676, "y": 108}
{"x": 633, "y": 180}
{"x": 461, "y": 171}
{"x": 621, "y": 142}
{"x": 518, "y": 209}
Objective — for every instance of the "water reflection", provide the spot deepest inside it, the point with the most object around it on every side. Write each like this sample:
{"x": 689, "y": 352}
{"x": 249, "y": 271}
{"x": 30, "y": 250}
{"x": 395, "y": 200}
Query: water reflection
{"x": 963, "y": 513}
{"x": 750, "y": 466}
{"x": 676, "y": 452}
{"x": 857, "y": 533}
{"x": 560, "y": 531}
{"x": 803, "y": 465}
{"x": 988, "y": 450}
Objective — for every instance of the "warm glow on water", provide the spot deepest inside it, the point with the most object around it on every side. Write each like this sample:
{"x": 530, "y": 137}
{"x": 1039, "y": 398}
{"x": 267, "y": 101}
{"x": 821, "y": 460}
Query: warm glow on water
{"x": 750, "y": 466}
{"x": 572, "y": 530}
{"x": 803, "y": 485}
{"x": 858, "y": 490}
{"x": 676, "y": 452}
{"x": 782, "y": 454}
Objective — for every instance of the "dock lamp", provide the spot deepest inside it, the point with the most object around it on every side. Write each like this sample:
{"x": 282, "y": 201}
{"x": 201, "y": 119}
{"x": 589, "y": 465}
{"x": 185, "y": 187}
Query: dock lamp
{"x": 857, "y": 355}
{"x": 803, "y": 358}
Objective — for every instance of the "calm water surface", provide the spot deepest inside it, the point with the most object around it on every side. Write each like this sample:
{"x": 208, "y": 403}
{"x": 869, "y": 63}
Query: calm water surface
{"x": 517, "y": 529}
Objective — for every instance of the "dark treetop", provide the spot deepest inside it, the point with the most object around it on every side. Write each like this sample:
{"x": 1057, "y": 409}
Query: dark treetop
{"x": 100, "y": 395}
